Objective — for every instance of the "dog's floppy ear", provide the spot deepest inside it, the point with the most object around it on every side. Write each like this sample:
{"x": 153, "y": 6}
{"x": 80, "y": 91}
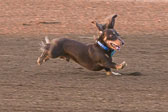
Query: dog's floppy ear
{"x": 111, "y": 23}
{"x": 99, "y": 26}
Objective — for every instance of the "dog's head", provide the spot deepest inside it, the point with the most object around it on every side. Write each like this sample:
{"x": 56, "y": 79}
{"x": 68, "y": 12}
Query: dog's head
{"x": 111, "y": 39}
{"x": 108, "y": 35}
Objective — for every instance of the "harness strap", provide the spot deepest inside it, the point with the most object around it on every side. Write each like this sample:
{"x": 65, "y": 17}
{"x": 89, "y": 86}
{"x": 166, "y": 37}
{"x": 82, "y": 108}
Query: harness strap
{"x": 112, "y": 53}
{"x": 106, "y": 48}
{"x": 103, "y": 46}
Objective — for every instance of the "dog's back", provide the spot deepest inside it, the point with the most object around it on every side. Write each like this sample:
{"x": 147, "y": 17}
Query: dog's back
{"x": 77, "y": 51}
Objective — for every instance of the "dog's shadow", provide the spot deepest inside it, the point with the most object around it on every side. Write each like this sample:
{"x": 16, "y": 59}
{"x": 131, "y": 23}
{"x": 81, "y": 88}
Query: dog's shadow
{"x": 132, "y": 74}
{"x": 102, "y": 75}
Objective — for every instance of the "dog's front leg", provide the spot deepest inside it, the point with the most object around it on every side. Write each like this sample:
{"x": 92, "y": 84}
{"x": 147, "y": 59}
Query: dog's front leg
{"x": 121, "y": 66}
{"x": 113, "y": 65}
{"x": 108, "y": 71}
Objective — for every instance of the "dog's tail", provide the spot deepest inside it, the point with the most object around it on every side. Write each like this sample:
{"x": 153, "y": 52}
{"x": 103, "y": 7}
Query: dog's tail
{"x": 47, "y": 39}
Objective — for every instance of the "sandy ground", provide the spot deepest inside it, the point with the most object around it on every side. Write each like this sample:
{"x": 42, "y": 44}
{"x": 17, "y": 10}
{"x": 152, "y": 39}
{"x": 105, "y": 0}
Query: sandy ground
{"x": 58, "y": 86}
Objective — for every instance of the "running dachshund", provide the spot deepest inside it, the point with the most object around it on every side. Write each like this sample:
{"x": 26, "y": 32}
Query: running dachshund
{"x": 95, "y": 57}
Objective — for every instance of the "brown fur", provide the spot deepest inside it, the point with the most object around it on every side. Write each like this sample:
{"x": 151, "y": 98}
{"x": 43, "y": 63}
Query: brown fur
{"x": 92, "y": 57}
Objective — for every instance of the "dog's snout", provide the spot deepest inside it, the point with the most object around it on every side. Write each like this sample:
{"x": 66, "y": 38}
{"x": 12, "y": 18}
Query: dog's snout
{"x": 121, "y": 41}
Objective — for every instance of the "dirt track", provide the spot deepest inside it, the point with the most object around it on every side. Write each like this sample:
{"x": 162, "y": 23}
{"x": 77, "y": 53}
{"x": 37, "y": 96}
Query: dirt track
{"x": 58, "y": 86}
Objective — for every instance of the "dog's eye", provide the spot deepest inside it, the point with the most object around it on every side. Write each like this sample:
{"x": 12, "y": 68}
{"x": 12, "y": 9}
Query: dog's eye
{"x": 110, "y": 35}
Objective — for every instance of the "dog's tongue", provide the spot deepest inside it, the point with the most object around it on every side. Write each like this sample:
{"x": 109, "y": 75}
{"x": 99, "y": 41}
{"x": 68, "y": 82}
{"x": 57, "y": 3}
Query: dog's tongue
{"x": 118, "y": 48}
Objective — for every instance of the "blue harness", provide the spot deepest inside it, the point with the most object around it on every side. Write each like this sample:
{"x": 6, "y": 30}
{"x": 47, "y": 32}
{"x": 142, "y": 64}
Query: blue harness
{"x": 106, "y": 48}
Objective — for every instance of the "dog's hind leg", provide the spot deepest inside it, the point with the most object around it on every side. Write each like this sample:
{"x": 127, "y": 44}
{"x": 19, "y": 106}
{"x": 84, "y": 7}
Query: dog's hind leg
{"x": 56, "y": 50}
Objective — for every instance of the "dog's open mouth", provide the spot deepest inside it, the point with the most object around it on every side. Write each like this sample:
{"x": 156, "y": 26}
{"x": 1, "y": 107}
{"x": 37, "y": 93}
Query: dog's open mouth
{"x": 114, "y": 46}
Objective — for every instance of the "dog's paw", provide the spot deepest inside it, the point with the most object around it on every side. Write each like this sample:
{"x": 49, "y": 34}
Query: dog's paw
{"x": 108, "y": 73}
{"x": 124, "y": 64}
{"x": 121, "y": 66}
{"x": 116, "y": 73}
{"x": 112, "y": 73}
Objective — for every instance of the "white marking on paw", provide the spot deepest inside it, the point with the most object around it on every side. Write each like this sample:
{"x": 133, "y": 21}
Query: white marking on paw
{"x": 115, "y": 73}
